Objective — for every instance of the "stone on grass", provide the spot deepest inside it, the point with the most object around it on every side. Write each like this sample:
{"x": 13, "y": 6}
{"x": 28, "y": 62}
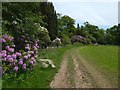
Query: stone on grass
{"x": 44, "y": 65}
{"x": 47, "y": 62}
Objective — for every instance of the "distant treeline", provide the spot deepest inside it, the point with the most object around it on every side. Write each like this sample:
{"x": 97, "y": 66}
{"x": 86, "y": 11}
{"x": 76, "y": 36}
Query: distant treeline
{"x": 91, "y": 33}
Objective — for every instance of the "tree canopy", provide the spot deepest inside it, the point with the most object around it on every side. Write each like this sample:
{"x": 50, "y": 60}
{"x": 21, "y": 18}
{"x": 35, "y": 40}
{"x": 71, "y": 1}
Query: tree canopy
{"x": 28, "y": 18}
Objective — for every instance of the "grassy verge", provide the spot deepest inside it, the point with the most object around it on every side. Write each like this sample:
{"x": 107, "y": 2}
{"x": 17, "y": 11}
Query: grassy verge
{"x": 70, "y": 69}
{"x": 105, "y": 58}
{"x": 41, "y": 77}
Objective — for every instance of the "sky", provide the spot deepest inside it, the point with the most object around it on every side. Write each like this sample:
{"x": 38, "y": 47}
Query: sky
{"x": 103, "y": 13}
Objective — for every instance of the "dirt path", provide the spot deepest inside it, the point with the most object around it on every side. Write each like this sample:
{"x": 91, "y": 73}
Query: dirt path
{"x": 83, "y": 75}
{"x": 60, "y": 78}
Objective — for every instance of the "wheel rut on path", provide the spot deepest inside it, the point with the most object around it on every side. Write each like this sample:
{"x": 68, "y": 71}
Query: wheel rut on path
{"x": 60, "y": 78}
{"x": 85, "y": 74}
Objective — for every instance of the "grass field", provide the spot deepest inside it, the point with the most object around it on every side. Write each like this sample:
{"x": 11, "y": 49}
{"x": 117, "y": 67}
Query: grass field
{"x": 105, "y": 58}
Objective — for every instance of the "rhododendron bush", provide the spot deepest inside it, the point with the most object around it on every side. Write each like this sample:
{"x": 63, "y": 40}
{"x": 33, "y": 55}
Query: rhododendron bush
{"x": 16, "y": 62}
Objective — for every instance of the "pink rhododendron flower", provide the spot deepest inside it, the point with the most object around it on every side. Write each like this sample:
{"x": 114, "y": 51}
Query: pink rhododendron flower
{"x": 10, "y": 59}
{"x": 27, "y": 45}
{"x": 4, "y": 51}
{"x": 32, "y": 52}
{"x": 11, "y": 49}
{"x": 3, "y": 59}
{"x": 32, "y": 58}
{"x": 13, "y": 45}
{"x": 20, "y": 62}
{"x": 7, "y": 47}
{"x": 14, "y": 56}
{"x": 3, "y": 40}
{"x": 31, "y": 62}
{"x": 9, "y": 56}
{"x": 26, "y": 57}
{"x": 24, "y": 66}
{"x": 21, "y": 59}
{"x": 4, "y": 55}
{"x": 16, "y": 68}
{"x": 28, "y": 48}
{"x": 34, "y": 48}
{"x": 18, "y": 54}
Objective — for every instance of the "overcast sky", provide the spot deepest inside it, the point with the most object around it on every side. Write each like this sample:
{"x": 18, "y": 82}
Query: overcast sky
{"x": 103, "y": 13}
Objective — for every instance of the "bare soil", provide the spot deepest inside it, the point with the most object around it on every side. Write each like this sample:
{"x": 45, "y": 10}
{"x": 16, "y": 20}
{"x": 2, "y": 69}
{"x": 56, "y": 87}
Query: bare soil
{"x": 86, "y": 75}
{"x": 60, "y": 80}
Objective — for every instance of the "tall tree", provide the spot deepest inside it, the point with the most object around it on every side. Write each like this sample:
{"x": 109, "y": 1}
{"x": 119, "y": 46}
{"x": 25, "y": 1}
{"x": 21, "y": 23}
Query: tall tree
{"x": 50, "y": 17}
{"x": 66, "y": 24}
{"x": 78, "y": 30}
{"x": 65, "y": 28}
{"x": 118, "y": 34}
{"x": 113, "y": 34}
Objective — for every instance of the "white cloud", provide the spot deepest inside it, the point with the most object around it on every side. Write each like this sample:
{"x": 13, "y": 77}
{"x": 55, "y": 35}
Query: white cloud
{"x": 83, "y": 0}
{"x": 98, "y": 13}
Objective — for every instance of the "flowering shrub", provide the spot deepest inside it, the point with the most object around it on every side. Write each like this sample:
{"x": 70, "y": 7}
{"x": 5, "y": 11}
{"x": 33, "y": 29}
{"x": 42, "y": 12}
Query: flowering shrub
{"x": 17, "y": 62}
{"x": 78, "y": 38}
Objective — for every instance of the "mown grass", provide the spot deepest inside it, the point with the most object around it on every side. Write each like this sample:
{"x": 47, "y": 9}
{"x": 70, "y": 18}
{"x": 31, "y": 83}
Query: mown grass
{"x": 70, "y": 69}
{"x": 41, "y": 77}
{"x": 105, "y": 58}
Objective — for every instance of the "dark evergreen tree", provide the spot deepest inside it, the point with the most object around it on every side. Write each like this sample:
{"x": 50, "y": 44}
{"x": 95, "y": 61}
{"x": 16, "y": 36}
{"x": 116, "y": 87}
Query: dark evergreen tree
{"x": 113, "y": 35}
{"x": 50, "y": 18}
{"x": 78, "y": 30}
{"x": 118, "y": 34}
